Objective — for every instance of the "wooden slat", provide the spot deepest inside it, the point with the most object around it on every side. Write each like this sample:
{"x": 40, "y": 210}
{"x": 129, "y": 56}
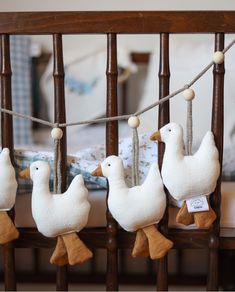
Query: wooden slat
{"x": 215, "y": 198}
{"x": 60, "y": 117}
{"x": 98, "y": 237}
{"x": 117, "y": 22}
{"x": 7, "y": 141}
{"x": 112, "y": 149}
{"x": 163, "y": 118}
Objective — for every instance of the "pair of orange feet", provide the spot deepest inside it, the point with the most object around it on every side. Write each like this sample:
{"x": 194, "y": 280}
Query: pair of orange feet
{"x": 151, "y": 243}
{"x": 70, "y": 250}
{"x": 201, "y": 219}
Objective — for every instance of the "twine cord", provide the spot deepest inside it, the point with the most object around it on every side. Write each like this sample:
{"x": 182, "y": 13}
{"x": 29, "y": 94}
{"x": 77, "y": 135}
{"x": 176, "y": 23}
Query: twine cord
{"x": 135, "y": 157}
{"x": 121, "y": 117}
{"x": 189, "y": 128}
{"x": 57, "y": 167}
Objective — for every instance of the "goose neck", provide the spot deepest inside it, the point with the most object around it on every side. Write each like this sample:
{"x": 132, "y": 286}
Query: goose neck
{"x": 175, "y": 147}
{"x": 117, "y": 182}
{"x": 41, "y": 185}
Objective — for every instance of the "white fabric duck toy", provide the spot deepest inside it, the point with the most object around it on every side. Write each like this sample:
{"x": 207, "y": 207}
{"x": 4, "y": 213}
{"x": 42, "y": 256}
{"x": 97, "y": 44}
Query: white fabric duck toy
{"x": 60, "y": 215}
{"x": 8, "y": 187}
{"x": 189, "y": 176}
{"x": 138, "y": 208}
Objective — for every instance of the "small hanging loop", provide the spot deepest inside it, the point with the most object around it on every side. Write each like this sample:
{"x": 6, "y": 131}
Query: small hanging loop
{"x": 189, "y": 95}
{"x": 134, "y": 123}
{"x": 189, "y": 126}
{"x": 57, "y": 134}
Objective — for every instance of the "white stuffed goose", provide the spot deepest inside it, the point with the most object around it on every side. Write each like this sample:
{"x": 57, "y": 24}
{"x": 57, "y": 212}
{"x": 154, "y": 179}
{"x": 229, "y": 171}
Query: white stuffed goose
{"x": 8, "y": 187}
{"x": 189, "y": 176}
{"x": 137, "y": 208}
{"x": 60, "y": 215}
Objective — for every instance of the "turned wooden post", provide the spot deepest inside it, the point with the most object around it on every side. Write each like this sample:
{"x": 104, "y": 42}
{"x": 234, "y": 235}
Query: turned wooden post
{"x": 60, "y": 117}
{"x": 112, "y": 149}
{"x": 217, "y": 126}
{"x": 7, "y": 141}
{"x": 163, "y": 119}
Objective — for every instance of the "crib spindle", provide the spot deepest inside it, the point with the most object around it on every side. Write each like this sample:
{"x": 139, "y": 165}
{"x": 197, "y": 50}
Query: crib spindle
{"x": 60, "y": 117}
{"x": 163, "y": 118}
{"x": 215, "y": 198}
{"x": 7, "y": 141}
{"x": 112, "y": 149}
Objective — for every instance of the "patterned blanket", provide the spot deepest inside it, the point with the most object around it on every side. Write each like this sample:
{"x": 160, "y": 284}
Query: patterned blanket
{"x": 85, "y": 161}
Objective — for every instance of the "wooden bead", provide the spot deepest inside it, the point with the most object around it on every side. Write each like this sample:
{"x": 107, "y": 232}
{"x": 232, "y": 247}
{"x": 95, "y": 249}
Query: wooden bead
{"x": 189, "y": 94}
{"x": 133, "y": 122}
{"x": 56, "y": 133}
{"x": 218, "y": 57}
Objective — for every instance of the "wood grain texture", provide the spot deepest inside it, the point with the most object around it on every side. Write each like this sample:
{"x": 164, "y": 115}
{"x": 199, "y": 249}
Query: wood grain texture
{"x": 163, "y": 119}
{"x": 7, "y": 141}
{"x": 117, "y": 22}
{"x": 217, "y": 126}
{"x": 60, "y": 117}
{"x": 112, "y": 149}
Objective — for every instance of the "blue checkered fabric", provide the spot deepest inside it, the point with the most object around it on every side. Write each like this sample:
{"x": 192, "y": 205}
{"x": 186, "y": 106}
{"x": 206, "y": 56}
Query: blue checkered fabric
{"x": 21, "y": 88}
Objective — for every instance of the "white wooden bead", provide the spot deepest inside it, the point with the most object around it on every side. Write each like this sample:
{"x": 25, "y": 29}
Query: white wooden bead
{"x": 218, "y": 57}
{"x": 134, "y": 122}
{"x": 188, "y": 94}
{"x": 56, "y": 133}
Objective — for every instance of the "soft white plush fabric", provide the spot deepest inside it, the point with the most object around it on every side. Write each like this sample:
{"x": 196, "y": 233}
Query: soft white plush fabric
{"x": 135, "y": 207}
{"x": 57, "y": 214}
{"x": 8, "y": 183}
{"x": 97, "y": 216}
{"x": 188, "y": 176}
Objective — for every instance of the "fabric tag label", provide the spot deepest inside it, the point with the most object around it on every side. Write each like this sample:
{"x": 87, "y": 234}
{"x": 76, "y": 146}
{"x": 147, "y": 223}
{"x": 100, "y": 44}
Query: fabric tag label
{"x": 197, "y": 204}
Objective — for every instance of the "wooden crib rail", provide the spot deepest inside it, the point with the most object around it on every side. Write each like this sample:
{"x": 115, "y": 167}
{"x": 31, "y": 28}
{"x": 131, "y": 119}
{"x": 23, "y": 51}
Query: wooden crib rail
{"x": 113, "y": 23}
{"x": 117, "y": 22}
{"x": 217, "y": 126}
{"x": 7, "y": 141}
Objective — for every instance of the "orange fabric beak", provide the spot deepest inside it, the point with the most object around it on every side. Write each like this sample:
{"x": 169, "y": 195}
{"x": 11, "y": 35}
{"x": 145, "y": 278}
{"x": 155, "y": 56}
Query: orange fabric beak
{"x": 156, "y": 136}
{"x": 25, "y": 173}
{"x": 97, "y": 171}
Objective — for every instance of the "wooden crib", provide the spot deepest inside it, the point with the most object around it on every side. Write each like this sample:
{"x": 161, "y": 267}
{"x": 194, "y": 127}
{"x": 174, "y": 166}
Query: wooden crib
{"x": 112, "y": 24}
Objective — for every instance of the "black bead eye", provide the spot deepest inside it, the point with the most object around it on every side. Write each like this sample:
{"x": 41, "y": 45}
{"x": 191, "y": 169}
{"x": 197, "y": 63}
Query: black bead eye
{"x": 36, "y": 168}
{"x": 169, "y": 130}
{"x": 109, "y": 164}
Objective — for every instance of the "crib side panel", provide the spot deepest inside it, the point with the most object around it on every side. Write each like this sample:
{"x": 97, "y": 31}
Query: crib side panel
{"x": 163, "y": 119}
{"x": 112, "y": 149}
{"x": 60, "y": 117}
{"x": 7, "y": 141}
{"x": 217, "y": 126}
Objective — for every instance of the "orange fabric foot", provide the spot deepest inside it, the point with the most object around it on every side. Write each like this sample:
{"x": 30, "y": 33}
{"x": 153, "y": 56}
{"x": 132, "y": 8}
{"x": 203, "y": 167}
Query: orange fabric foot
{"x": 76, "y": 249}
{"x": 183, "y": 216}
{"x": 141, "y": 246}
{"x": 204, "y": 219}
{"x": 8, "y": 231}
{"x": 159, "y": 245}
{"x": 59, "y": 256}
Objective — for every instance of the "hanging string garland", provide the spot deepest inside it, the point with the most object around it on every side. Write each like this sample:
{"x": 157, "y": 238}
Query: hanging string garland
{"x": 218, "y": 58}
{"x": 133, "y": 122}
